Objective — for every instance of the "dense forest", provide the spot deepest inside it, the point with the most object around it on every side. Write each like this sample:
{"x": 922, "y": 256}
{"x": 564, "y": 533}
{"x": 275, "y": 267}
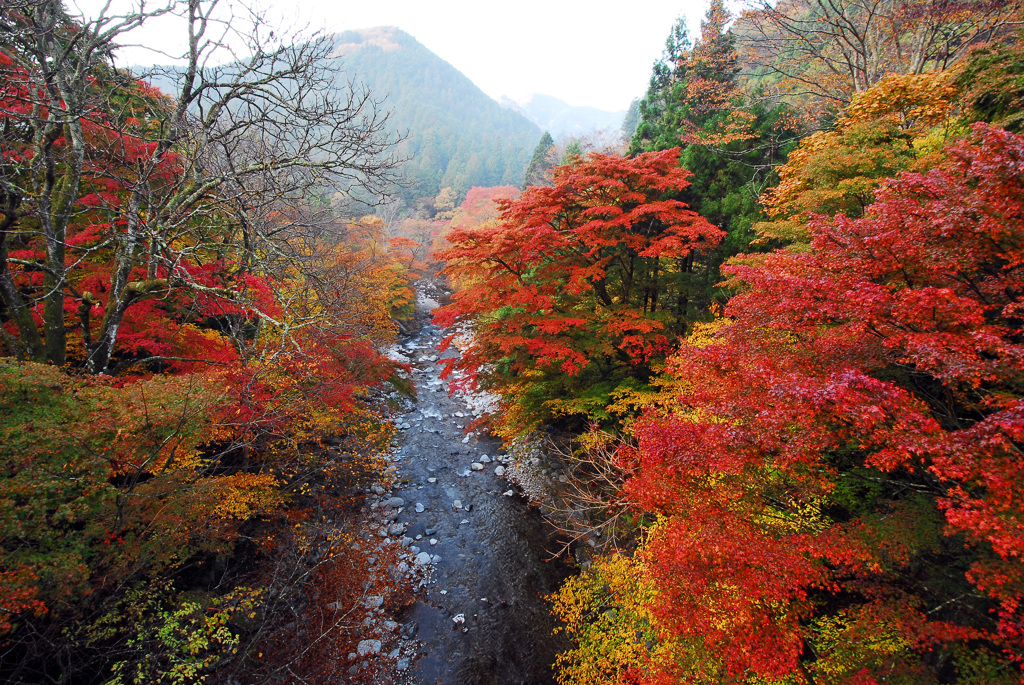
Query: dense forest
{"x": 454, "y": 135}
{"x": 775, "y": 343}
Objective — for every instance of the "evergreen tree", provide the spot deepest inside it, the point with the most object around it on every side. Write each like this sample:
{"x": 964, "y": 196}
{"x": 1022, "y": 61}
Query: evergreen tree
{"x": 544, "y": 157}
{"x": 573, "y": 151}
{"x": 731, "y": 146}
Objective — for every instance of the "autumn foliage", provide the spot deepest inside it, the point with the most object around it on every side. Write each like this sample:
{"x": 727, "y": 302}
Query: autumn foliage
{"x": 566, "y": 283}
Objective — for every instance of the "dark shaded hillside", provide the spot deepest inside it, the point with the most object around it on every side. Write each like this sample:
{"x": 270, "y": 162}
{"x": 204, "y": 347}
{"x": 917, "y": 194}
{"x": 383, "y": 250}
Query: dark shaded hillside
{"x": 455, "y": 134}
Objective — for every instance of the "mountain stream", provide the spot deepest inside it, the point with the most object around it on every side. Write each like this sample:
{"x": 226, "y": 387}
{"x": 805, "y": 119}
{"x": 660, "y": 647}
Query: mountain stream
{"x": 482, "y": 617}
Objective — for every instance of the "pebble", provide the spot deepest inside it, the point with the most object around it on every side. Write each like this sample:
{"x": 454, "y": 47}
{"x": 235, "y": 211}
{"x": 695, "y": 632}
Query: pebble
{"x": 430, "y": 531}
{"x": 433, "y": 541}
{"x": 422, "y": 559}
{"x": 431, "y": 480}
{"x": 476, "y": 466}
{"x": 508, "y": 493}
{"x": 484, "y": 459}
{"x": 457, "y": 504}
{"x": 420, "y": 508}
{"x": 499, "y": 470}
{"x": 396, "y": 502}
{"x": 465, "y": 440}
{"x": 457, "y": 619}
{"x": 396, "y": 529}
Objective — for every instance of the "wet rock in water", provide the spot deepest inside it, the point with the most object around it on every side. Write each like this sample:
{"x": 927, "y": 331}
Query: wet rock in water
{"x": 396, "y": 529}
{"x": 367, "y": 647}
{"x": 499, "y": 470}
{"x": 465, "y": 440}
{"x": 433, "y": 541}
{"x": 431, "y": 480}
{"x": 422, "y": 559}
{"x": 508, "y": 493}
{"x": 457, "y": 504}
{"x": 430, "y": 531}
{"x": 484, "y": 459}
{"x": 420, "y": 508}
{"x": 396, "y": 502}
{"x": 476, "y": 466}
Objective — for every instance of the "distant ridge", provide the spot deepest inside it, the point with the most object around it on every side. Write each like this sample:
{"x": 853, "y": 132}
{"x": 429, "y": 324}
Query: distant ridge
{"x": 563, "y": 120}
{"x": 457, "y": 136}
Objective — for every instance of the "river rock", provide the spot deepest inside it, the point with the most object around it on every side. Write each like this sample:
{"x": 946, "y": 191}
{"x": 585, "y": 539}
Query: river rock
{"x": 430, "y": 531}
{"x": 422, "y": 559}
{"x": 476, "y": 466}
{"x": 457, "y": 504}
{"x": 396, "y": 529}
{"x": 499, "y": 470}
{"x": 396, "y": 502}
{"x": 367, "y": 647}
{"x": 484, "y": 459}
{"x": 420, "y": 508}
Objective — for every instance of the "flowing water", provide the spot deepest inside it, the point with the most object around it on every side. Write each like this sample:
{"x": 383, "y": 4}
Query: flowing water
{"x": 483, "y": 617}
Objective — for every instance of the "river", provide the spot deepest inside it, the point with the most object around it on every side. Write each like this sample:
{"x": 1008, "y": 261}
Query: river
{"x": 482, "y": 618}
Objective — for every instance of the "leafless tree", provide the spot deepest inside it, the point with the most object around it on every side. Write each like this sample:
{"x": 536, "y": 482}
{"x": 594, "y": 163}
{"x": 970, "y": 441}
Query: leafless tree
{"x": 833, "y": 48}
{"x": 232, "y": 161}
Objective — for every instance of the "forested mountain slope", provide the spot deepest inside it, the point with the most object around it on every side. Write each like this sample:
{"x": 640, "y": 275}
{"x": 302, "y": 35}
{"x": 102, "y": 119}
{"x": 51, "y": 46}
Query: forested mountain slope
{"x": 455, "y": 134}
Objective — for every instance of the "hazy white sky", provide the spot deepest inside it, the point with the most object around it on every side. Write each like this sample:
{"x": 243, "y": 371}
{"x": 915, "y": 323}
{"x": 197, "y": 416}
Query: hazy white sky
{"x": 587, "y": 53}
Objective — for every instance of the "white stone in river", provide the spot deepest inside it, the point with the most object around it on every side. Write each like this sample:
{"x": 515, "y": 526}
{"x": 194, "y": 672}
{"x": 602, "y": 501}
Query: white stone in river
{"x": 420, "y": 508}
{"x": 508, "y": 493}
{"x": 431, "y": 480}
{"x": 457, "y": 504}
{"x": 433, "y": 541}
{"x": 499, "y": 470}
{"x": 465, "y": 440}
{"x": 367, "y": 647}
{"x": 476, "y": 466}
{"x": 484, "y": 459}
{"x": 459, "y": 414}
{"x": 457, "y": 619}
{"x": 422, "y": 559}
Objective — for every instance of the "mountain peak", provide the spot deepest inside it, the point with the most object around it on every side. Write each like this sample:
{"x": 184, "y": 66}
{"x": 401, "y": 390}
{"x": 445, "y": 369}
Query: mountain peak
{"x": 387, "y": 38}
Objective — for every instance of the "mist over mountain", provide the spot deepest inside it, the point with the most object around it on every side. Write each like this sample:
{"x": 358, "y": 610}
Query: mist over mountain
{"x": 455, "y": 135}
{"x": 564, "y": 120}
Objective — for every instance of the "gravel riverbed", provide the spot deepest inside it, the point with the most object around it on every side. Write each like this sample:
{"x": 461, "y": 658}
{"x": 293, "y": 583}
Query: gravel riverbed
{"x": 481, "y": 617}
